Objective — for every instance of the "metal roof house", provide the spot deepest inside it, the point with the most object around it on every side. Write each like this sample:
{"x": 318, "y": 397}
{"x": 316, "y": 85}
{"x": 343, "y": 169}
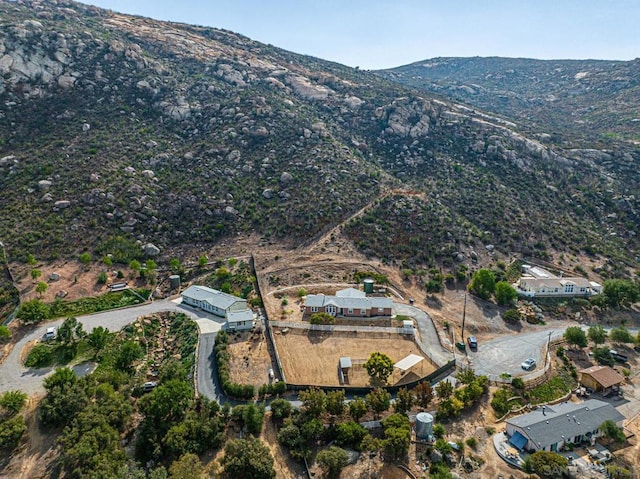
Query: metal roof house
{"x": 239, "y": 320}
{"x": 348, "y": 303}
{"x": 536, "y": 282}
{"x": 550, "y": 427}
{"x": 212, "y": 300}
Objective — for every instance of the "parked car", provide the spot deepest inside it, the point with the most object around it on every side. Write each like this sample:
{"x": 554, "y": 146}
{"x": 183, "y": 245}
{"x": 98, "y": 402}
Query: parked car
{"x": 529, "y": 364}
{"x": 619, "y": 357}
{"x": 473, "y": 342}
{"x": 149, "y": 386}
{"x": 50, "y": 334}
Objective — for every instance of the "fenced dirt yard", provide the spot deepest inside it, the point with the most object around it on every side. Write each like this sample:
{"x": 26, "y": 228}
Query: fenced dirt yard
{"x": 250, "y": 359}
{"x": 311, "y": 357}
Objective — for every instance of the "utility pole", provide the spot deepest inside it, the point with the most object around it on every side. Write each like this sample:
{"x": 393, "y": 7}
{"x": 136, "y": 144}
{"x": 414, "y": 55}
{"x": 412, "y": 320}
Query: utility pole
{"x": 464, "y": 313}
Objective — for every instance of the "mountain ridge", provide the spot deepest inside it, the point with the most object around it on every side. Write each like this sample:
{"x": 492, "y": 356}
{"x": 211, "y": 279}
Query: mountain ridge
{"x": 118, "y": 126}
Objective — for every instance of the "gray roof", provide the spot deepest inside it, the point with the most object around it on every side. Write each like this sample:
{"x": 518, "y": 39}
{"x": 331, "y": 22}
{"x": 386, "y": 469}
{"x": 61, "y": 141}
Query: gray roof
{"x": 212, "y": 296}
{"x": 351, "y": 293}
{"x": 345, "y": 362}
{"x": 320, "y": 300}
{"x": 563, "y": 421}
{"x": 239, "y": 316}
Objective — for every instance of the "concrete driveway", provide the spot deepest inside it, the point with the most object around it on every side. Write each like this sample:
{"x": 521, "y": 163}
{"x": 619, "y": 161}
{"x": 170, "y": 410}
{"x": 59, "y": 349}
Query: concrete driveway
{"x": 506, "y": 354}
{"x": 428, "y": 334}
{"x": 14, "y": 375}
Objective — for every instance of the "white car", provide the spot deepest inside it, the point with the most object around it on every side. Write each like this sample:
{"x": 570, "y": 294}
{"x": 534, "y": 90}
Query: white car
{"x": 529, "y": 364}
{"x": 50, "y": 334}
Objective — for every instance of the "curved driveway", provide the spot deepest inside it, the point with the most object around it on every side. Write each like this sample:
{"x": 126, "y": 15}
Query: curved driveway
{"x": 14, "y": 375}
{"x": 428, "y": 334}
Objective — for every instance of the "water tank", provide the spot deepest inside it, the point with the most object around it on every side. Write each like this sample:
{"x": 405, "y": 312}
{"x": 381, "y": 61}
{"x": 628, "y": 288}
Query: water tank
{"x": 174, "y": 281}
{"x": 424, "y": 426}
{"x": 368, "y": 286}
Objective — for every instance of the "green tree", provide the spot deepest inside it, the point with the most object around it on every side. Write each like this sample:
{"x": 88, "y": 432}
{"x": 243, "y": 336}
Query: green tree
{"x": 175, "y": 266}
{"x": 202, "y": 261}
{"x": 404, "y": 401}
{"x": 332, "y": 460}
{"x": 611, "y": 430}
{"x": 321, "y": 318}
{"x": 13, "y": 401}
{"x": 33, "y": 311}
{"x": 41, "y": 288}
{"x": 31, "y": 259}
{"x": 397, "y": 435}
{"x": 618, "y": 472}
{"x": 483, "y": 283}
{"x": 65, "y": 398}
{"x": 505, "y": 293}
{"x": 335, "y": 402}
{"x": 11, "y": 432}
{"x": 5, "y": 333}
{"x": 247, "y": 458}
{"x": 98, "y": 339}
{"x": 357, "y": 408}
{"x": 378, "y": 400}
{"x": 85, "y": 258}
{"x": 621, "y": 335}
{"x": 575, "y": 336}
{"x": 107, "y": 260}
{"x": 351, "y": 434}
{"x": 127, "y": 353}
{"x": 424, "y": 394}
{"x": 620, "y": 292}
{"x": 35, "y": 274}
{"x": 135, "y": 265}
{"x": 102, "y": 278}
{"x": 548, "y": 464}
{"x": 444, "y": 389}
{"x": 314, "y": 401}
{"x": 379, "y": 366}
{"x": 603, "y": 356}
{"x": 512, "y": 315}
{"x": 70, "y": 331}
{"x": 597, "y": 334}
{"x": 187, "y": 467}
{"x": 280, "y": 409}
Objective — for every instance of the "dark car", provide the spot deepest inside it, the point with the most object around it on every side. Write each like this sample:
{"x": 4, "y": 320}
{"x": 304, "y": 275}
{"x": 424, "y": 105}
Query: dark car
{"x": 473, "y": 342}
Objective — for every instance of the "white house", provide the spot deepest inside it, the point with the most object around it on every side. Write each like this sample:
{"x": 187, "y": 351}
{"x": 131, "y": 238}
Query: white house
{"x": 212, "y": 300}
{"x": 550, "y": 427}
{"x": 538, "y": 282}
{"x": 240, "y": 320}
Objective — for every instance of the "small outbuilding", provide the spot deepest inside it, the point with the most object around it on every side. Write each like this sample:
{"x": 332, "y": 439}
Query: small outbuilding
{"x": 239, "y": 320}
{"x": 600, "y": 378}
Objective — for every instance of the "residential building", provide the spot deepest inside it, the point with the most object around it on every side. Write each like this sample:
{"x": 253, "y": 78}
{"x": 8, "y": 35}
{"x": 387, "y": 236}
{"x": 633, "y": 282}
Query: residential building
{"x": 212, "y": 300}
{"x": 538, "y": 282}
{"x": 600, "y": 378}
{"x": 239, "y": 320}
{"x": 549, "y": 428}
{"x": 348, "y": 303}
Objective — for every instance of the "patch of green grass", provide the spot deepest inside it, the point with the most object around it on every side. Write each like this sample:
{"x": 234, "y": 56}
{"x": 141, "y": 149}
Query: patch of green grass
{"x": 60, "y": 308}
{"x": 554, "y": 388}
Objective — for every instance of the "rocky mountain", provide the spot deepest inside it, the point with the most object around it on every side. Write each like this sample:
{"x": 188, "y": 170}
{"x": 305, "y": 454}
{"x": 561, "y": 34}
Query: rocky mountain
{"x": 117, "y": 129}
{"x": 575, "y": 101}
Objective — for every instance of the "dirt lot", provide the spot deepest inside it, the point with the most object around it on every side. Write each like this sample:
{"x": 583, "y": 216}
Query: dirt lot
{"x": 313, "y": 358}
{"x": 250, "y": 359}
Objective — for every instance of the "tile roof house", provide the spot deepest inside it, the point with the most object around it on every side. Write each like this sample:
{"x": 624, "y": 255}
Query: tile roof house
{"x": 599, "y": 378}
{"x": 536, "y": 282}
{"x": 550, "y": 427}
{"x": 350, "y": 303}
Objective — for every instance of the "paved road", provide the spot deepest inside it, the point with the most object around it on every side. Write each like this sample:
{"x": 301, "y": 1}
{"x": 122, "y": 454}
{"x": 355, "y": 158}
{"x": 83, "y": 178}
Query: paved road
{"x": 428, "y": 333}
{"x": 13, "y": 375}
{"x": 506, "y": 354}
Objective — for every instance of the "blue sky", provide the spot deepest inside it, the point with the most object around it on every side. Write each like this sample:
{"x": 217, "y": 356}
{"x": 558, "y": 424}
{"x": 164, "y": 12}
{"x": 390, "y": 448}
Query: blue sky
{"x": 382, "y": 34}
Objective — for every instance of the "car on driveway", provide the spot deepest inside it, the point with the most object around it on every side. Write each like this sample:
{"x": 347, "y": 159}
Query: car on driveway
{"x": 473, "y": 342}
{"x": 50, "y": 334}
{"x": 529, "y": 364}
